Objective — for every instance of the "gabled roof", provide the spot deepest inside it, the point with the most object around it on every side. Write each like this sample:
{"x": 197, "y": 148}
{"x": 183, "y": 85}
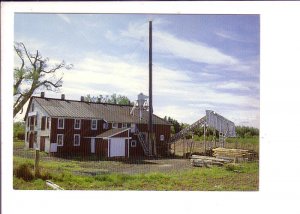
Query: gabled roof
{"x": 89, "y": 110}
{"x": 112, "y": 132}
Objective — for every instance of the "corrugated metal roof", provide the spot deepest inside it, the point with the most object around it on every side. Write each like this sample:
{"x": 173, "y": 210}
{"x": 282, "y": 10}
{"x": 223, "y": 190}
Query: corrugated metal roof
{"x": 88, "y": 110}
{"x": 111, "y": 132}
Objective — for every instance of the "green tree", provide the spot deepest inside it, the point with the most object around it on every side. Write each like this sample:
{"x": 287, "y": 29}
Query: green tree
{"x": 19, "y": 130}
{"x": 176, "y": 126}
{"x": 33, "y": 74}
{"x": 246, "y": 131}
{"x": 114, "y": 98}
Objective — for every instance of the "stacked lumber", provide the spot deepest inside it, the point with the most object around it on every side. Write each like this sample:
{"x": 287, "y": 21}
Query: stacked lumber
{"x": 236, "y": 155}
{"x": 205, "y": 161}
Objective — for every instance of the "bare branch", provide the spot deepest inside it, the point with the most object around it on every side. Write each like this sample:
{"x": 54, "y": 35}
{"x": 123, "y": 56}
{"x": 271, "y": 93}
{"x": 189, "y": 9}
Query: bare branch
{"x": 28, "y": 79}
{"x": 20, "y": 56}
{"x": 26, "y": 52}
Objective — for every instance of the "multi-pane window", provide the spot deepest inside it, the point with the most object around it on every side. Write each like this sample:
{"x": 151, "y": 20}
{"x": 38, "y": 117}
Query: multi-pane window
{"x": 77, "y": 124}
{"x": 114, "y": 125}
{"x": 94, "y": 125}
{"x": 124, "y": 125}
{"x": 61, "y": 123}
{"x": 76, "y": 139}
{"x": 60, "y": 140}
{"x": 105, "y": 125}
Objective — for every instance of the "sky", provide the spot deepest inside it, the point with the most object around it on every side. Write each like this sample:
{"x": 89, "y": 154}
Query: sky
{"x": 200, "y": 62}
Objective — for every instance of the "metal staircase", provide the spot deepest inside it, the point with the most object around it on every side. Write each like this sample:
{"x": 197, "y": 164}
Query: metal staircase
{"x": 143, "y": 142}
{"x": 186, "y": 130}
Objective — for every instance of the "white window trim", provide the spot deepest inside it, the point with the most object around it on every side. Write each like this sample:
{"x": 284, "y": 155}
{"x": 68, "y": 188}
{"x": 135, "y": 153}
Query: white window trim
{"x": 75, "y": 124}
{"x": 47, "y": 121}
{"x": 114, "y": 127}
{"x": 92, "y": 124}
{"x": 62, "y": 139}
{"x": 58, "y": 123}
{"x": 74, "y": 140}
{"x": 162, "y": 137}
{"x": 131, "y": 143}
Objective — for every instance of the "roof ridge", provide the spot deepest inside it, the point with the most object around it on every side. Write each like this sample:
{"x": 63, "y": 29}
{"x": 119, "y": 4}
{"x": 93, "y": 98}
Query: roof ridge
{"x": 58, "y": 99}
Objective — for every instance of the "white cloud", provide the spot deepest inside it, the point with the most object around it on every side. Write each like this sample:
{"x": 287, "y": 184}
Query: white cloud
{"x": 169, "y": 44}
{"x": 244, "y": 86}
{"x": 194, "y": 51}
{"x": 178, "y": 94}
{"x": 231, "y": 36}
{"x": 65, "y": 18}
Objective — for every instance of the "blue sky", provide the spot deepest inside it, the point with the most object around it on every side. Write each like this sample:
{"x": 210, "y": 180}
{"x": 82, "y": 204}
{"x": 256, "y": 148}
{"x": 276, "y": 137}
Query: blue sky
{"x": 199, "y": 61}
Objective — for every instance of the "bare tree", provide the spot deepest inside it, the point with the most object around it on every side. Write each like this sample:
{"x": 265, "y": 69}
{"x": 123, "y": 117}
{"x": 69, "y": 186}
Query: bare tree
{"x": 33, "y": 74}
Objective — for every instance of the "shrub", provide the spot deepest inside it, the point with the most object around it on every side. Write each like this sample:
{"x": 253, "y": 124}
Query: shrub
{"x": 24, "y": 171}
{"x": 21, "y": 136}
{"x": 45, "y": 175}
{"x": 233, "y": 167}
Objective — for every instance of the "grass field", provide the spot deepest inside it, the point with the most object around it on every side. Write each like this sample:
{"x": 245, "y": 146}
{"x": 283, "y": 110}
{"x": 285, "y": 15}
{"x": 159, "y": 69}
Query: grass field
{"x": 182, "y": 146}
{"x": 151, "y": 174}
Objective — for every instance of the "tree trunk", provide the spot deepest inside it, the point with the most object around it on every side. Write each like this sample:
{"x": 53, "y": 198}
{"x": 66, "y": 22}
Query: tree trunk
{"x": 21, "y": 104}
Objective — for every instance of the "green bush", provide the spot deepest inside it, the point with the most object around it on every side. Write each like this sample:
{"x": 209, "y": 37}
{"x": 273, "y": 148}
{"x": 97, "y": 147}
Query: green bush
{"x": 24, "y": 171}
{"x": 19, "y": 130}
{"x": 45, "y": 175}
{"x": 233, "y": 167}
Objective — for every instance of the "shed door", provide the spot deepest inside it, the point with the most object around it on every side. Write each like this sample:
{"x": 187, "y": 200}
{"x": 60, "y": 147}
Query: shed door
{"x": 117, "y": 147}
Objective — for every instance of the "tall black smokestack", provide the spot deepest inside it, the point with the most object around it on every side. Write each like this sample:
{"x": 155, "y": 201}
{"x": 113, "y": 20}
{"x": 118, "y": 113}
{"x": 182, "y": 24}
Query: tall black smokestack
{"x": 150, "y": 89}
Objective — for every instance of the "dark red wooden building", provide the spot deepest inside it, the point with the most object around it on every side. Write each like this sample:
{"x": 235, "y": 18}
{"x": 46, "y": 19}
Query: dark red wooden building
{"x": 79, "y": 127}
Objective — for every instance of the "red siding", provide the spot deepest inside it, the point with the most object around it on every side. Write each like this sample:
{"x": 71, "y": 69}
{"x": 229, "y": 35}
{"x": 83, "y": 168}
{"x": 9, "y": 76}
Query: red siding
{"x": 69, "y": 131}
{"x": 122, "y": 134}
{"x": 100, "y": 144}
{"x": 101, "y": 147}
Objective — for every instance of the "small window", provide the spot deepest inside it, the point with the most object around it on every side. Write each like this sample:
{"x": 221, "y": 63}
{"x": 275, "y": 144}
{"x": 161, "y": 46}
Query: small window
{"x": 35, "y": 120}
{"x": 133, "y": 143}
{"x": 105, "y": 125}
{"x": 60, "y": 140}
{"x": 114, "y": 125}
{"x": 162, "y": 137}
{"x": 76, "y": 139}
{"x": 94, "y": 125}
{"x": 32, "y": 106}
{"x": 61, "y": 123}
{"x": 77, "y": 124}
{"x": 128, "y": 125}
{"x": 48, "y": 122}
{"x": 124, "y": 125}
{"x": 43, "y": 123}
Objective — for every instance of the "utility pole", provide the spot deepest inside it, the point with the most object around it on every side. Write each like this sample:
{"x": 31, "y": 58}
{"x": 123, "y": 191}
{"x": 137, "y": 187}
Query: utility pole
{"x": 150, "y": 128}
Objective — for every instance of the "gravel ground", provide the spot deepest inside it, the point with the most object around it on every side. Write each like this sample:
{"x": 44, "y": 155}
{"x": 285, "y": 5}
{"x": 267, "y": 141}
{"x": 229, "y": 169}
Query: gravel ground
{"x": 92, "y": 166}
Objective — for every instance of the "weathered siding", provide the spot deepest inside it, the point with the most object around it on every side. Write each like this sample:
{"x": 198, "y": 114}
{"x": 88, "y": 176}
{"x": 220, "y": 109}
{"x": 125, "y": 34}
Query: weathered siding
{"x": 34, "y": 129}
{"x": 101, "y": 147}
{"x": 69, "y": 131}
{"x": 122, "y": 134}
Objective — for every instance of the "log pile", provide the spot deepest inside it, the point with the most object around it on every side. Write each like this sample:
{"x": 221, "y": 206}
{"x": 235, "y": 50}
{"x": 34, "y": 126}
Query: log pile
{"x": 206, "y": 161}
{"x": 235, "y": 155}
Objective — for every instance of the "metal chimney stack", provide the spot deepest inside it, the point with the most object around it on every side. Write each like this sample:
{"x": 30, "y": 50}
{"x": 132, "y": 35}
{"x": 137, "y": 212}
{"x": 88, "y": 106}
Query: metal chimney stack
{"x": 150, "y": 127}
